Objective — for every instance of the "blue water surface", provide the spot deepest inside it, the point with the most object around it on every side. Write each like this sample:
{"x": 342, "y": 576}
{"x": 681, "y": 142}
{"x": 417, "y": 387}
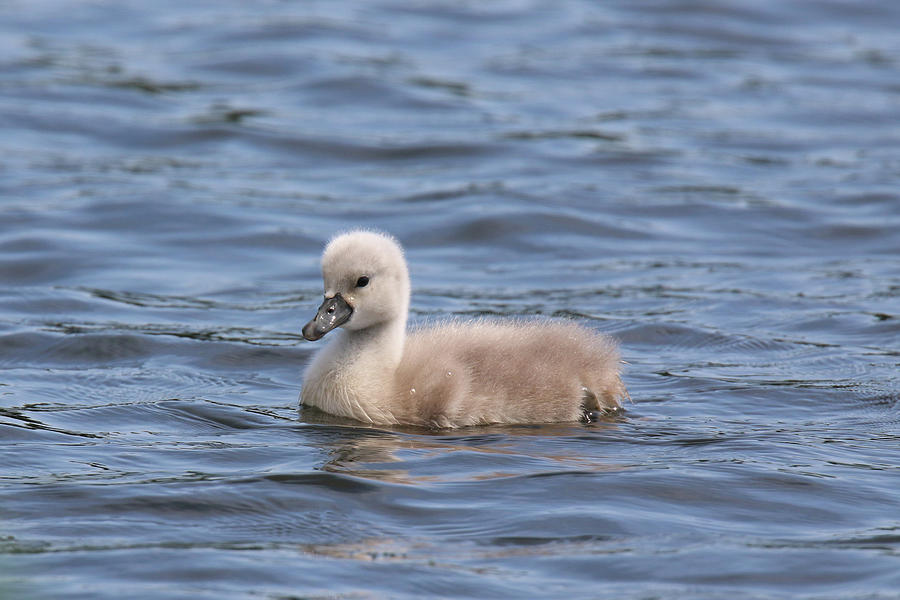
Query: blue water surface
{"x": 714, "y": 183}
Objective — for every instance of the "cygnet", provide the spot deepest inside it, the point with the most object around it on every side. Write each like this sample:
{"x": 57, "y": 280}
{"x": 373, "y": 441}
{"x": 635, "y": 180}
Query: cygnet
{"x": 456, "y": 374}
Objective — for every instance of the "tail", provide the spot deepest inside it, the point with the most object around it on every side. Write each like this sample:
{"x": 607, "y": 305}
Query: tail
{"x": 593, "y": 409}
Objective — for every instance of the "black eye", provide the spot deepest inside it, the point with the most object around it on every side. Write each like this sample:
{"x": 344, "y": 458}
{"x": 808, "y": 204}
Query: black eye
{"x": 362, "y": 281}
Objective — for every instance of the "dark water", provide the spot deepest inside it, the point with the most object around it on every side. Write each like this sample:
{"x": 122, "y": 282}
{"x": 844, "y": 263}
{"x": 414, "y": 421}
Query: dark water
{"x": 714, "y": 183}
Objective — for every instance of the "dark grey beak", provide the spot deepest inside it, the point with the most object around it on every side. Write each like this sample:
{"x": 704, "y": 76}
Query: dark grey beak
{"x": 334, "y": 312}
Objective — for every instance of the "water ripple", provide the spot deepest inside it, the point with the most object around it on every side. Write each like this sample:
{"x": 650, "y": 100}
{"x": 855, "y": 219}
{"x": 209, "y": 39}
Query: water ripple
{"x": 712, "y": 183}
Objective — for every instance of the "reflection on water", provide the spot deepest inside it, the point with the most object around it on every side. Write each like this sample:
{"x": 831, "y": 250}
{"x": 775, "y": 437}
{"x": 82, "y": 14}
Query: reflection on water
{"x": 494, "y": 452}
{"x": 713, "y": 184}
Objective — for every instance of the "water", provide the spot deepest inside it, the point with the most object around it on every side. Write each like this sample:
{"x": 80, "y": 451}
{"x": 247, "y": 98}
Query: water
{"x": 713, "y": 183}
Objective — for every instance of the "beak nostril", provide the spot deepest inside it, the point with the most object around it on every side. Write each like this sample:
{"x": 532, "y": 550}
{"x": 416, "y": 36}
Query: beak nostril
{"x": 333, "y": 313}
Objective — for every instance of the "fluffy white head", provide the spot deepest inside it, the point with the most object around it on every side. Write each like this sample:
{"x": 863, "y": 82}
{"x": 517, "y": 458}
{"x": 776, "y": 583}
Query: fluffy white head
{"x": 368, "y": 270}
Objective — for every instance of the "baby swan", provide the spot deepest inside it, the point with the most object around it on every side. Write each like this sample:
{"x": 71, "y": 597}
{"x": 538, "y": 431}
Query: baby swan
{"x": 453, "y": 375}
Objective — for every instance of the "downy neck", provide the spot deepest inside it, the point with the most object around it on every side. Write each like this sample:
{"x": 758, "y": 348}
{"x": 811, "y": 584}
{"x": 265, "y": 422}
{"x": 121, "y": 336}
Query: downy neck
{"x": 375, "y": 350}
